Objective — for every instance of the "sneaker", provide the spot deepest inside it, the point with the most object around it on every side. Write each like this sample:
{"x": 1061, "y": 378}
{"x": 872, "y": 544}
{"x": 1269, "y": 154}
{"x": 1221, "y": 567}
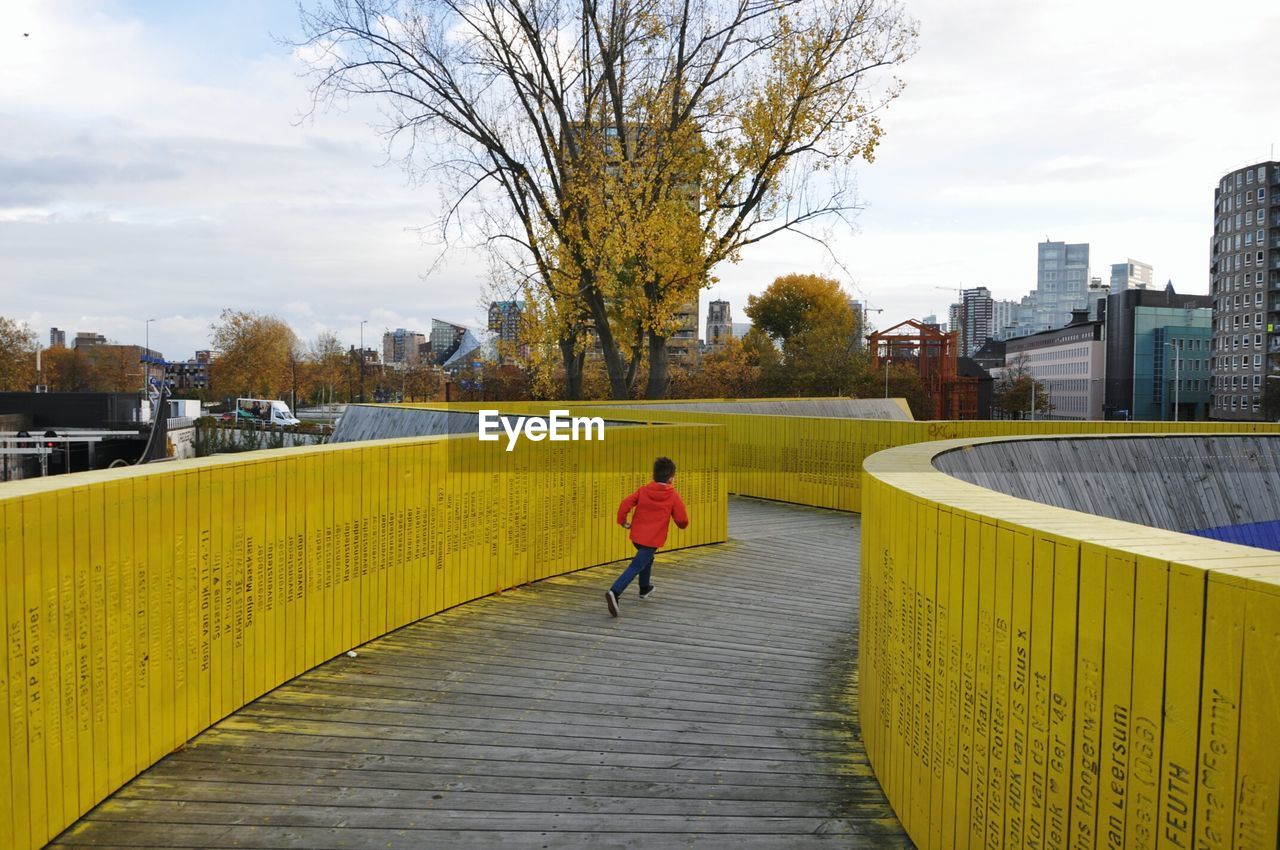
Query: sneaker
{"x": 645, "y": 594}
{"x": 612, "y": 602}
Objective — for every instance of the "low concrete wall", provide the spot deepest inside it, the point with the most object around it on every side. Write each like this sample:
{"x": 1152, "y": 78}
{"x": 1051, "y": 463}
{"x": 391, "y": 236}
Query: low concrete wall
{"x": 1182, "y": 483}
{"x": 367, "y": 422}
{"x": 836, "y": 408}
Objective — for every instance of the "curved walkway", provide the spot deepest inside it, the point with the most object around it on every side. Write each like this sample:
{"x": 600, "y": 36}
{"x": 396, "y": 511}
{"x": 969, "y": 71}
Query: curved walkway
{"x": 717, "y": 714}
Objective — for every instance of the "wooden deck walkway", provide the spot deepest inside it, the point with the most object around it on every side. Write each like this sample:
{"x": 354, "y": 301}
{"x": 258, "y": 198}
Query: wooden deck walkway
{"x": 717, "y": 714}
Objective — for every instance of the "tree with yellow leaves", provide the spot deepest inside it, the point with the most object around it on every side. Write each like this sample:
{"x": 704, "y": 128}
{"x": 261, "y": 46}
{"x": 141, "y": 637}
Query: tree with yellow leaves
{"x": 254, "y": 355}
{"x": 614, "y": 154}
{"x": 17, "y": 356}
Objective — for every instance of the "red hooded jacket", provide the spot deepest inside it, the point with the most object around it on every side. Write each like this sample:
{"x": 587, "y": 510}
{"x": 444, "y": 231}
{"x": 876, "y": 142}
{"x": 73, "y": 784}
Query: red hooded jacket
{"x": 655, "y": 503}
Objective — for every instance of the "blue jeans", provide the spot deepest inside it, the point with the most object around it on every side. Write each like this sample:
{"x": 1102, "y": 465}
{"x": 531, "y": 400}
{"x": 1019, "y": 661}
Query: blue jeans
{"x": 641, "y": 565}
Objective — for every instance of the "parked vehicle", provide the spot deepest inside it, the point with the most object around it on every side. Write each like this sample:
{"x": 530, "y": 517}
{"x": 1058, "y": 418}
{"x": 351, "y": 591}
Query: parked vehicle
{"x": 265, "y": 411}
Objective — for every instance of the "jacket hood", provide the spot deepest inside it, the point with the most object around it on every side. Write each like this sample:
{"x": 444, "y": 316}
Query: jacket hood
{"x": 658, "y": 491}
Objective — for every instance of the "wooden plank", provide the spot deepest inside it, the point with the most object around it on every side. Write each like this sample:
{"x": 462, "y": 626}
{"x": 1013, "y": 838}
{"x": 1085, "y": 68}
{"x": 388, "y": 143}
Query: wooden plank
{"x": 711, "y": 712}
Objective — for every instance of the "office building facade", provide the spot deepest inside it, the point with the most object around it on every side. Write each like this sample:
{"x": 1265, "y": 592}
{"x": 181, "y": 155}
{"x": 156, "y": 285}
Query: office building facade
{"x": 57, "y": 338}
{"x": 444, "y": 340}
{"x": 1244, "y": 269}
{"x": 86, "y": 339}
{"x": 1069, "y": 362}
{"x": 1159, "y": 355}
{"x": 1131, "y": 274}
{"x": 1062, "y": 282}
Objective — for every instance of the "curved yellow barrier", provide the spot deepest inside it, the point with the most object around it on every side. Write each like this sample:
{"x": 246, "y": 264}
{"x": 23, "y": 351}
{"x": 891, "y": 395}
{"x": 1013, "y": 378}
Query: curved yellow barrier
{"x": 812, "y": 460}
{"x": 1032, "y": 676}
{"x": 142, "y": 605}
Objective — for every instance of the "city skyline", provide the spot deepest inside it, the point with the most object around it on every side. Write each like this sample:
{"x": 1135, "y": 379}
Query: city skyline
{"x": 164, "y": 189}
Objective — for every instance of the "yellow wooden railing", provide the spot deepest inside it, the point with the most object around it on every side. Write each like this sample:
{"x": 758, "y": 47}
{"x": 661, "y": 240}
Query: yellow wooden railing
{"x": 1036, "y": 677}
{"x": 817, "y": 461}
{"x": 142, "y": 605}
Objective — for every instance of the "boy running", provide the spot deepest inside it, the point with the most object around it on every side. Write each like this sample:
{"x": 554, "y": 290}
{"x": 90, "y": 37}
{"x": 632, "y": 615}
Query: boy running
{"x": 655, "y": 505}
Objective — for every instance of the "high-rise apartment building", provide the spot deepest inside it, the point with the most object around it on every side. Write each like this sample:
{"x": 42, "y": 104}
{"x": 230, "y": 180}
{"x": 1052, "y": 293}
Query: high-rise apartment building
{"x": 1244, "y": 269}
{"x": 1130, "y": 274}
{"x": 682, "y": 345}
{"x": 57, "y": 338}
{"x": 973, "y": 319}
{"x": 504, "y": 323}
{"x": 978, "y": 315}
{"x": 401, "y": 347}
{"x": 504, "y": 320}
{"x": 1062, "y": 282}
{"x": 1003, "y": 317}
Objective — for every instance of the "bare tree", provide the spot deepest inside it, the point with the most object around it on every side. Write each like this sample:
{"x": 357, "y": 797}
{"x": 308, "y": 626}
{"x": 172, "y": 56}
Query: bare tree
{"x": 615, "y": 153}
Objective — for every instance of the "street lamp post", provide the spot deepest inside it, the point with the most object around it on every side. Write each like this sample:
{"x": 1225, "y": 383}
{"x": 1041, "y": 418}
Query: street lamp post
{"x": 363, "y": 322}
{"x": 146, "y": 356}
{"x": 886, "y": 377}
{"x": 1177, "y": 377}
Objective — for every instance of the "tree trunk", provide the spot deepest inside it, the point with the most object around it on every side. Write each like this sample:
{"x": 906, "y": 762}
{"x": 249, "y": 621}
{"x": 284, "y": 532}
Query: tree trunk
{"x": 613, "y": 364}
{"x": 657, "y": 387}
{"x": 572, "y": 369}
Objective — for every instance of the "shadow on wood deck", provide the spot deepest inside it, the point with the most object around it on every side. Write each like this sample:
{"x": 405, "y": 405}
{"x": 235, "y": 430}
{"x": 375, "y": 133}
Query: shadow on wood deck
{"x": 719, "y": 713}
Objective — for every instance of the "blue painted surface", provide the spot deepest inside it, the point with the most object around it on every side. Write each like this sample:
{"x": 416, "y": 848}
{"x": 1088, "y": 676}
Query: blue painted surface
{"x": 1263, "y": 535}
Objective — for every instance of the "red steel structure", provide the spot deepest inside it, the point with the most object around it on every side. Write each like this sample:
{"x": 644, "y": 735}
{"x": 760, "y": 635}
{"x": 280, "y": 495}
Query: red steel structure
{"x": 933, "y": 355}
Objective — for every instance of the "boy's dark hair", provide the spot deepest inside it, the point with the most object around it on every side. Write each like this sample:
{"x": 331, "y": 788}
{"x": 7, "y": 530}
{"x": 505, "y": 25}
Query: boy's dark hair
{"x": 664, "y": 469}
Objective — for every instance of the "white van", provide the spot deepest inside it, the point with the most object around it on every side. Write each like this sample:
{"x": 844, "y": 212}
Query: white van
{"x": 265, "y": 411}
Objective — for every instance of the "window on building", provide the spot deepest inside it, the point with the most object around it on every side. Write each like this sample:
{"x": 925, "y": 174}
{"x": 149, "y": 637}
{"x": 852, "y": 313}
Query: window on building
{"x": 1262, "y": 194}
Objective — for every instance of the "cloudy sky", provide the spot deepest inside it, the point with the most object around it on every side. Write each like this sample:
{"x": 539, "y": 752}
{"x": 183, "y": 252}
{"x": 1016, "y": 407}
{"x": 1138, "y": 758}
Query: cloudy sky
{"x": 155, "y": 163}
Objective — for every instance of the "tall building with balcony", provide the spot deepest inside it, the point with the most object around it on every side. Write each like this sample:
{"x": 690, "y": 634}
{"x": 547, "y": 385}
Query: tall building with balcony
{"x": 1062, "y": 282}
{"x": 682, "y": 345}
{"x": 1244, "y": 269}
{"x": 719, "y": 325}
{"x": 504, "y": 324}
{"x": 973, "y": 318}
{"x": 400, "y": 348}
{"x": 57, "y": 338}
